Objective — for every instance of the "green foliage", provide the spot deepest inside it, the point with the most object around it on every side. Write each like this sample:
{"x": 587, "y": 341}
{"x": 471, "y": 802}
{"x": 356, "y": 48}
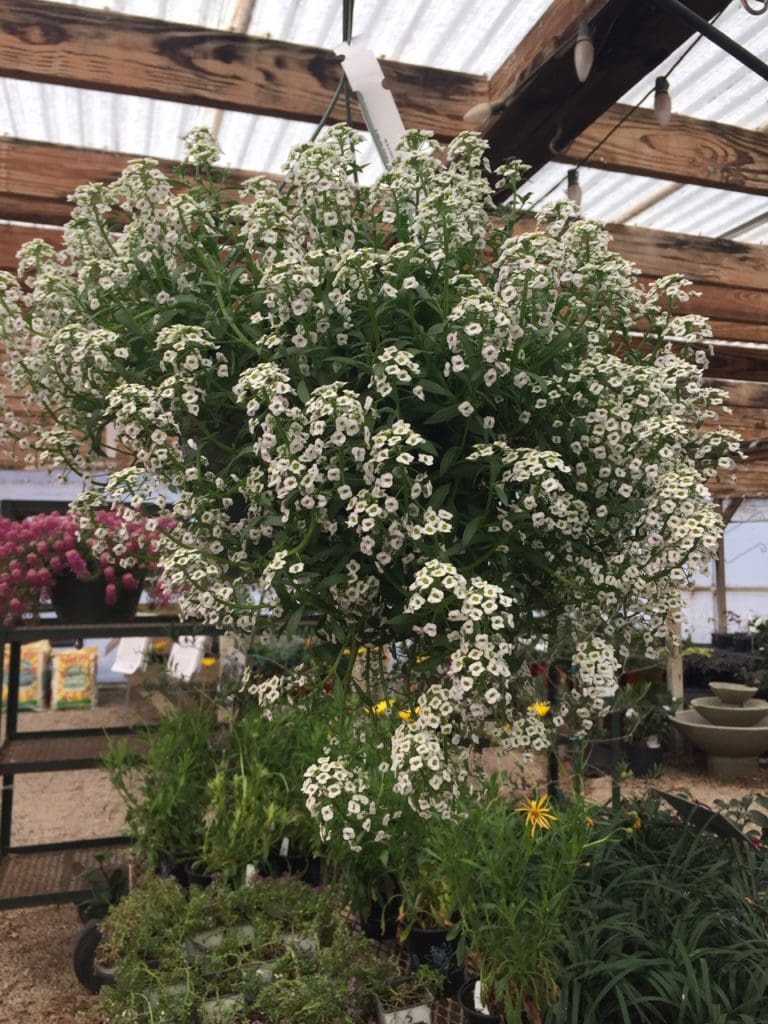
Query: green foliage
{"x": 165, "y": 789}
{"x": 275, "y": 947}
{"x": 512, "y": 886}
{"x": 668, "y": 925}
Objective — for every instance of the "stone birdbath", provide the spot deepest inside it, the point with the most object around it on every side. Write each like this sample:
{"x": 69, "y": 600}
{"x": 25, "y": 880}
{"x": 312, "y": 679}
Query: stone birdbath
{"x": 731, "y": 727}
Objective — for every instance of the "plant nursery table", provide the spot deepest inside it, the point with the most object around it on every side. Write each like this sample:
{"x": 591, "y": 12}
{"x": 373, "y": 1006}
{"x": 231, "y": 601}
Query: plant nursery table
{"x": 38, "y": 874}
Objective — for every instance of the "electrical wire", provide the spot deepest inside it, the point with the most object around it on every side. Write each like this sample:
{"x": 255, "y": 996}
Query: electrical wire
{"x": 761, "y": 9}
{"x": 561, "y": 181}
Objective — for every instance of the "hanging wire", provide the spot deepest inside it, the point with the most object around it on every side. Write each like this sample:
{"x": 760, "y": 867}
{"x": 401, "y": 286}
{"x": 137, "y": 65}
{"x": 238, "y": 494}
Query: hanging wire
{"x": 561, "y": 181}
{"x": 348, "y": 16}
{"x": 346, "y": 31}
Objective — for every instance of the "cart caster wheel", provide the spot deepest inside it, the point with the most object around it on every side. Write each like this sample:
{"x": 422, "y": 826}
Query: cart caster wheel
{"x": 91, "y": 975}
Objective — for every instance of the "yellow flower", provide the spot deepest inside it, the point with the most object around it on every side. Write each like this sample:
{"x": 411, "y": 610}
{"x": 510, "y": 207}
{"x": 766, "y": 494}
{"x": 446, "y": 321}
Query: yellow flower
{"x": 637, "y": 823}
{"x": 407, "y": 715}
{"x": 383, "y": 707}
{"x": 537, "y": 813}
{"x": 540, "y": 707}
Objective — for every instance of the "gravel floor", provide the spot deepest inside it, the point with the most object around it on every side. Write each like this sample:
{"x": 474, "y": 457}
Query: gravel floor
{"x": 37, "y": 985}
{"x": 36, "y": 980}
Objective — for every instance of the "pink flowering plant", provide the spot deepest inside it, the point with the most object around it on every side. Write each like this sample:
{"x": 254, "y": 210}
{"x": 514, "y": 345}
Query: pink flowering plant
{"x": 35, "y": 551}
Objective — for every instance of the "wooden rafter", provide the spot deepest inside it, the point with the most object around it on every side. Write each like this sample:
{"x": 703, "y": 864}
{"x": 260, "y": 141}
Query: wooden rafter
{"x": 548, "y": 104}
{"x": 37, "y": 177}
{"x": 93, "y": 49}
{"x": 687, "y": 150}
{"x": 732, "y": 276}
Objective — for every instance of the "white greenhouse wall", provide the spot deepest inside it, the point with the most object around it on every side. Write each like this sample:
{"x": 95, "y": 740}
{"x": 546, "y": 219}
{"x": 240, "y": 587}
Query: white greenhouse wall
{"x": 746, "y": 577}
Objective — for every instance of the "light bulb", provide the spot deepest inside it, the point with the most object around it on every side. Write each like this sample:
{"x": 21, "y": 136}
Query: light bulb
{"x": 479, "y": 113}
{"x": 574, "y": 188}
{"x": 482, "y": 111}
{"x": 583, "y": 51}
{"x": 662, "y": 104}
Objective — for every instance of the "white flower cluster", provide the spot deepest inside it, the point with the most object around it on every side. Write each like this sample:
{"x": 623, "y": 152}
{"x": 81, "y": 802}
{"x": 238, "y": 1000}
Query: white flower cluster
{"x": 338, "y": 797}
{"x": 383, "y": 409}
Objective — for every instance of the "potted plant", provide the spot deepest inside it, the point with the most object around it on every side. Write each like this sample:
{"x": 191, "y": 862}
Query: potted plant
{"x": 408, "y": 999}
{"x": 143, "y": 938}
{"x": 47, "y": 556}
{"x": 395, "y": 415}
{"x": 646, "y": 725}
{"x": 511, "y": 867}
{"x": 165, "y": 789}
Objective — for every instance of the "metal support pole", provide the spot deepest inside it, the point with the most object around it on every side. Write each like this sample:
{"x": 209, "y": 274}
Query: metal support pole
{"x": 719, "y": 38}
{"x": 615, "y": 780}
{"x": 553, "y": 765}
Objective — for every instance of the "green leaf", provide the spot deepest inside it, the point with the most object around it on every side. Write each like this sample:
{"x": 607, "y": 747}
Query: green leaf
{"x": 438, "y": 497}
{"x": 471, "y": 529}
{"x": 434, "y": 387}
{"x": 293, "y": 622}
{"x": 448, "y": 412}
{"x": 448, "y": 459}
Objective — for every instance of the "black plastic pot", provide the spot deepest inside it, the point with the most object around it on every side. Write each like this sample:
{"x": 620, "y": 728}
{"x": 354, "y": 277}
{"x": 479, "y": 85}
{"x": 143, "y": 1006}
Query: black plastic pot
{"x": 170, "y": 868}
{"x": 742, "y": 642}
{"x": 644, "y": 760}
{"x": 432, "y": 948}
{"x": 198, "y": 877}
{"x": 467, "y": 1000}
{"x": 722, "y": 640}
{"x": 381, "y": 920}
{"x": 597, "y": 757}
{"x": 77, "y": 600}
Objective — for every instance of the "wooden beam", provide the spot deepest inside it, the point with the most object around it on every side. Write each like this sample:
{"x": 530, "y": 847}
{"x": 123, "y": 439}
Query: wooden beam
{"x": 727, "y": 330}
{"x": 738, "y": 305}
{"x": 742, "y": 393}
{"x": 37, "y": 177}
{"x": 752, "y": 424}
{"x": 718, "y": 261}
{"x": 95, "y": 49}
{"x": 688, "y": 150}
{"x": 13, "y": 236}
{"x": 748, "y": 480}
{"x": 546, "y": 103}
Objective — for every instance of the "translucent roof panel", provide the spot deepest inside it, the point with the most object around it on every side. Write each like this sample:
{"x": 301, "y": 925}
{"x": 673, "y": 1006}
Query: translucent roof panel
{"x": 460, "y": 35}
{"x": 455, "y": 34}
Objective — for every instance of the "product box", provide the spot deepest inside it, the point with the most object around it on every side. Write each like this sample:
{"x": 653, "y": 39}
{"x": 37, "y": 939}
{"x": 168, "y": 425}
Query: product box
{"x": 34, "y": 665}
{"x": 73, "y": 679}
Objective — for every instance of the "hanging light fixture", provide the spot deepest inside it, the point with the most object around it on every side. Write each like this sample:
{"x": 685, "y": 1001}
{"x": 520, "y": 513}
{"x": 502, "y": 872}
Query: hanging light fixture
{"x": 662, "y": 104}
{"x": 480, "y": 113}
{"x": 573, "y": 191}
{"x": 583, "y": 51}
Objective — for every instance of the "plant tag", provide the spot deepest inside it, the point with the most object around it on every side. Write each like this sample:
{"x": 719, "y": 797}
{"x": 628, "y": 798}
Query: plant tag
{"x": 250, "y": 874}
{"x": 478, "y": 999}
{"x": 377, "y": 104}
{"x": 284, "y": 846}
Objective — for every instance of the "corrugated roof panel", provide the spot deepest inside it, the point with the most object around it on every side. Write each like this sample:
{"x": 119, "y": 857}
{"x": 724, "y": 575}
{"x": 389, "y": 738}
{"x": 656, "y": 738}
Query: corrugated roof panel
{"x": 448, "y": 33}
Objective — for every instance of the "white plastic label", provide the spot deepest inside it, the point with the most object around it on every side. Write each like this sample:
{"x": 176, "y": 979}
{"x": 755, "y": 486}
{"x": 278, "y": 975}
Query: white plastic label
{"x": 378, "y": 105}
{"x": 284, "y": 845}
{"x": 250, "y": 874}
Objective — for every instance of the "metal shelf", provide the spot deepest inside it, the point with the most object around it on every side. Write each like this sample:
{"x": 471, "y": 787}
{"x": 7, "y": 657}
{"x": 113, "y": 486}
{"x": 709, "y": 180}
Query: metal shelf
{"x": 68, "y": 750}
{"x": 40, "y": 874}
{"x": 36, "y": 876}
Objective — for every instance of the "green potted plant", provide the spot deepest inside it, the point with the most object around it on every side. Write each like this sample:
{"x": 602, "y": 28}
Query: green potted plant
{"x": 511, "y": 867}
{"x": 165, "y": 789}
{"x": 408, "y": 999}
{"x": 646, "y": 711}
{"x": 143, "y": 938}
